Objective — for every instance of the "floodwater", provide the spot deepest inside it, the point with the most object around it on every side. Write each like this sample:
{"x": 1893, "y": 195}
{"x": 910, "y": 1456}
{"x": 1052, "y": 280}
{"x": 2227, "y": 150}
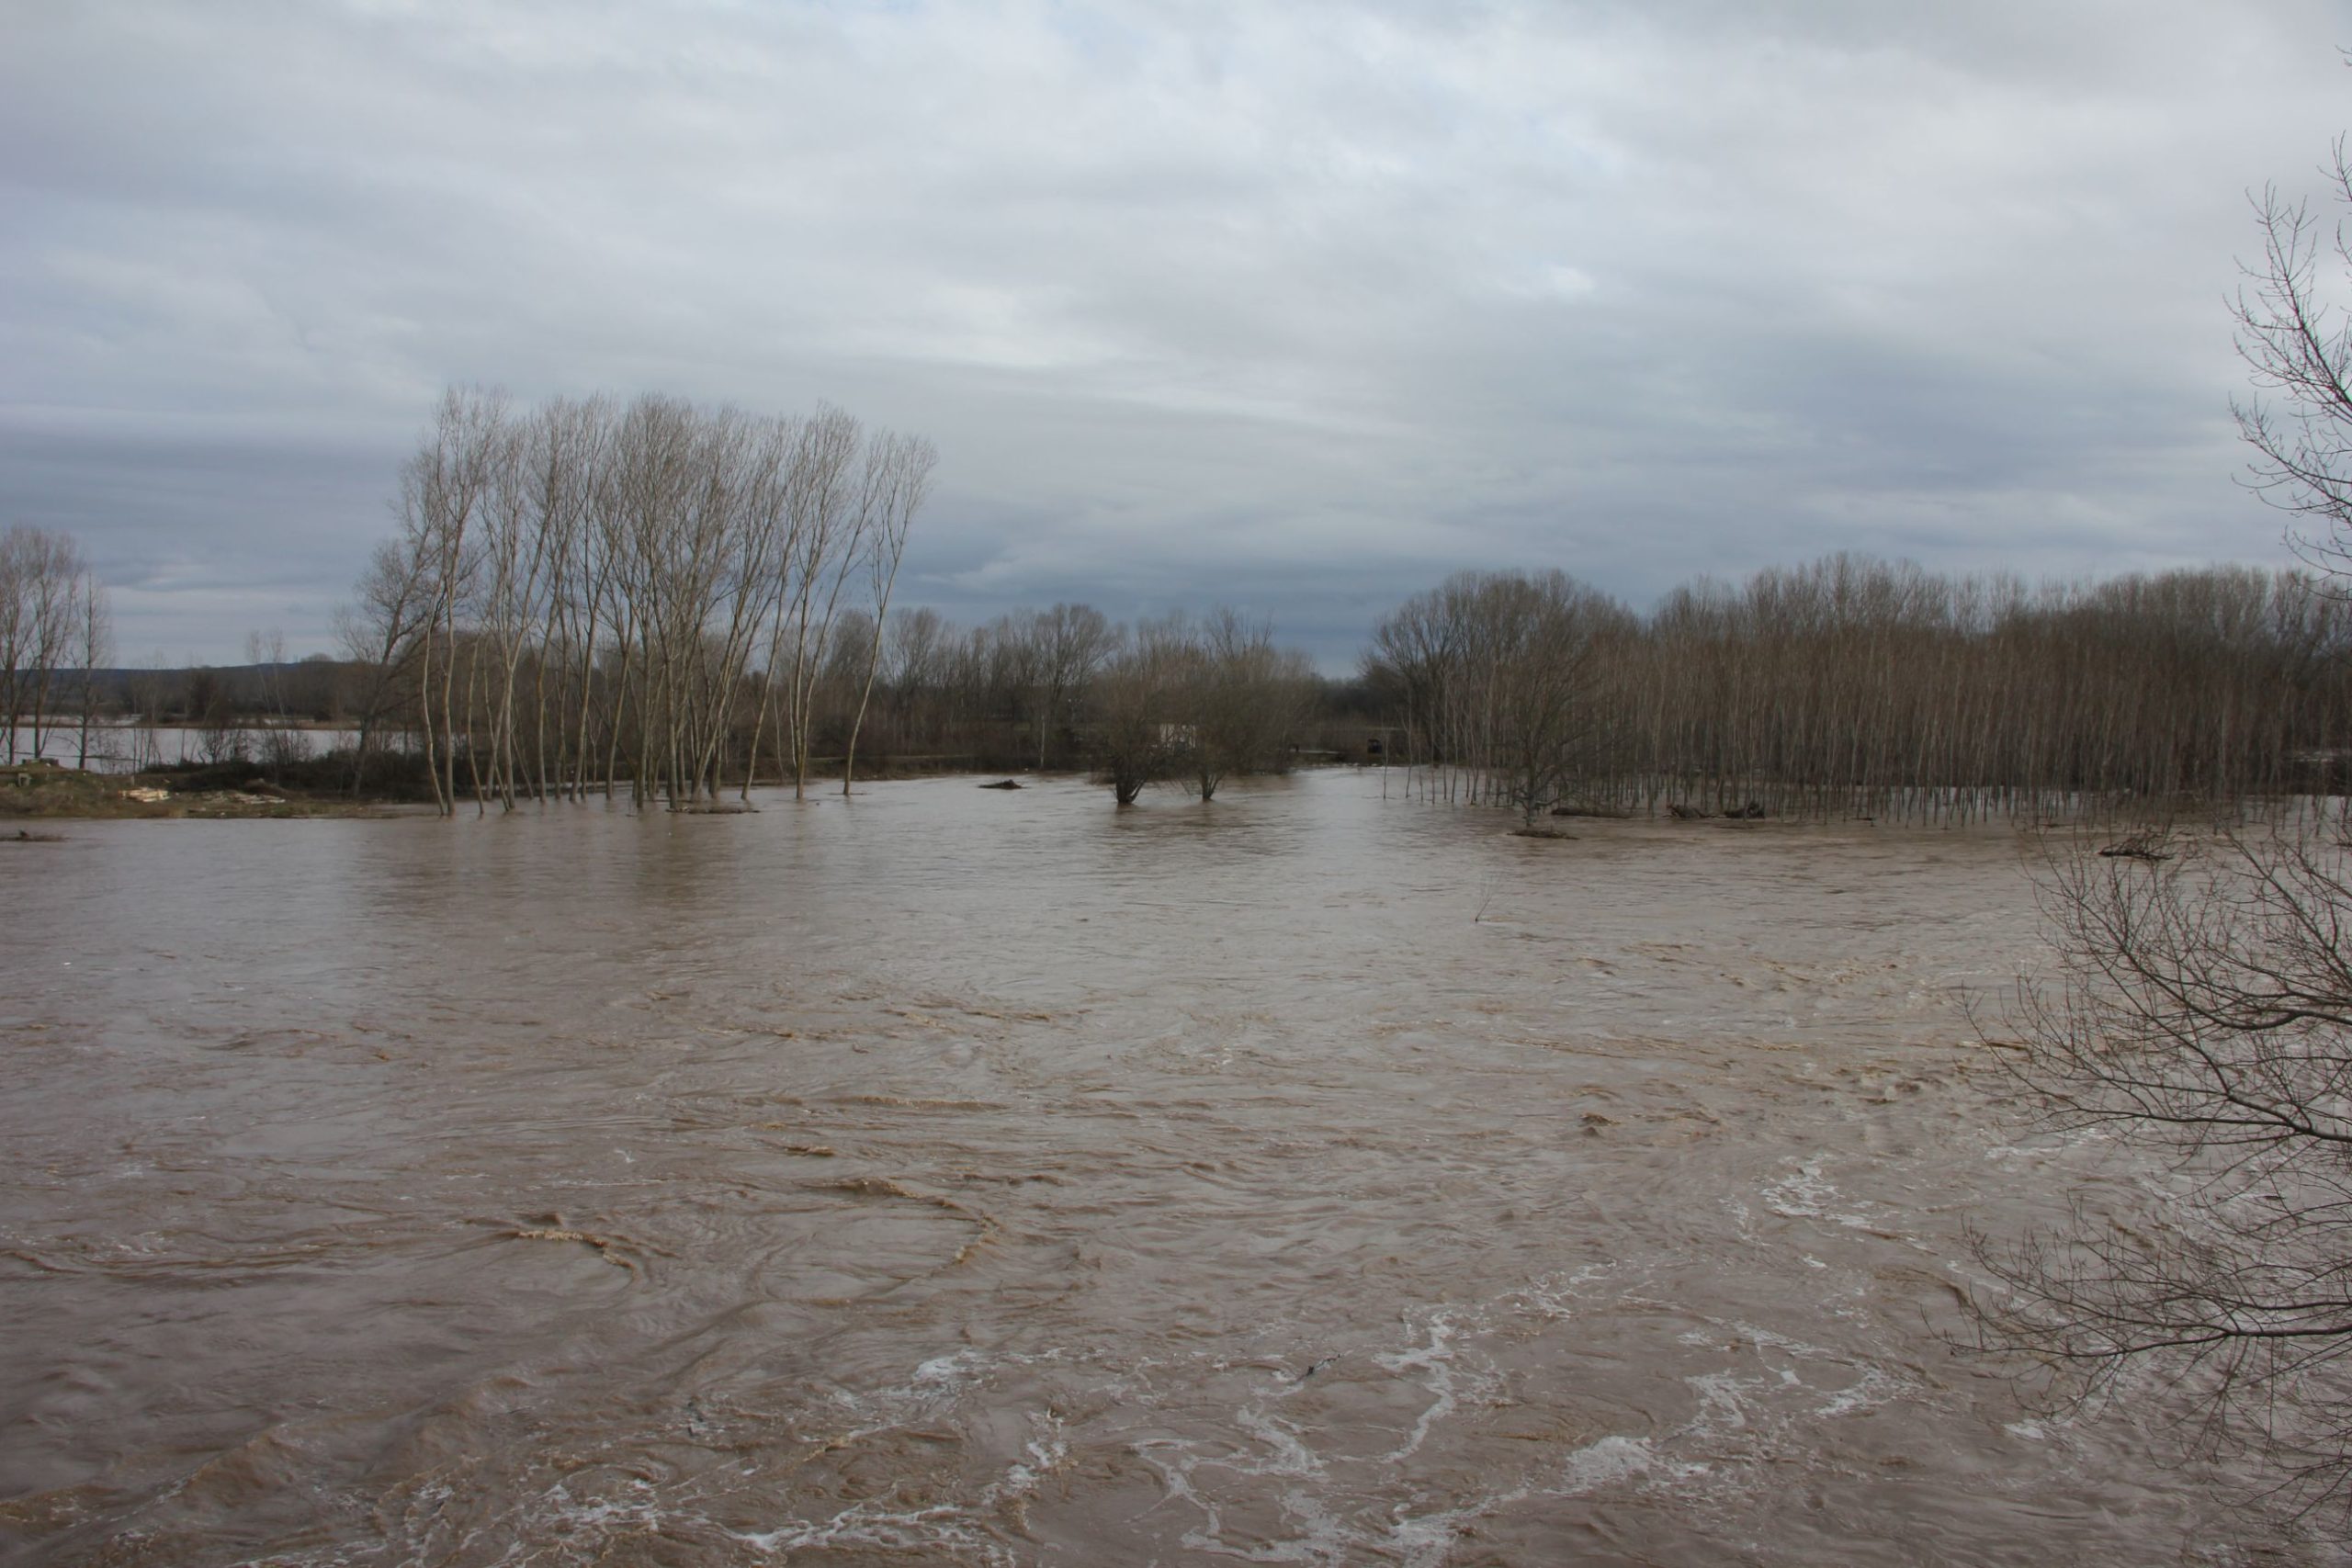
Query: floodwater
{"x": 948, "y": 1176}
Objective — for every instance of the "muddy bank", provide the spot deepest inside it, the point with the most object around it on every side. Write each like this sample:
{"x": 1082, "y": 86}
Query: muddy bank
{"x": 42, "y": 792}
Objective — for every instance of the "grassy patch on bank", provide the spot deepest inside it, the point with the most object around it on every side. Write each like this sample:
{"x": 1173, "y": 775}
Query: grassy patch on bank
{"x": 35, "y": 791}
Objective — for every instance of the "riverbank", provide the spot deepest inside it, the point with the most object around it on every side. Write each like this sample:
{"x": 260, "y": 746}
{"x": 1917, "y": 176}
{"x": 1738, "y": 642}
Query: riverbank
{"x": 43, "y": 792}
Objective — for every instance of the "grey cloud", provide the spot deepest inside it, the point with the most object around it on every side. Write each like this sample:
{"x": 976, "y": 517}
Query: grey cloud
{"x": 1302, "y": 305}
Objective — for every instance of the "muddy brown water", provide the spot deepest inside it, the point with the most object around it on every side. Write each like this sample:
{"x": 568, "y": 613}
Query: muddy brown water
{"x": 949, "y": 1176}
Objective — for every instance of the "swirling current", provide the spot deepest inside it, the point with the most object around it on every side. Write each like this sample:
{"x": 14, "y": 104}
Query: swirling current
{"x": 949, "y": 1176}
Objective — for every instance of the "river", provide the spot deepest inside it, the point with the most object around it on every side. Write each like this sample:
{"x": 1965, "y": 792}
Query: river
{"x": 998, "y": 1178}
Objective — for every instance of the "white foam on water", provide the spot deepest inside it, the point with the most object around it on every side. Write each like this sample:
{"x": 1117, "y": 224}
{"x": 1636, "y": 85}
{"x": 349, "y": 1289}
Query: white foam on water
{"x": 946, "y": 1369}
{"x": 558, "y": 1515}
{"x": 1321, "y": 1536}
{"x": 1873, "y": 1389}
{"x": 1290, "y": 1457}
{"x": 1559, "y": 1295}
{"x": 1722, "y": 1407}
{"x": 1324, "y": 1511}
{"x": 1614, "y": 1460}
{"x": 1427, "y": 1539}
{"x": 1020, "y": 1480}
{"x": 944, "y": 1526}
{"x": 872, "y": 1523}
{"x": 1436, "y": 1360}
{"x": 1808, "y": 1194}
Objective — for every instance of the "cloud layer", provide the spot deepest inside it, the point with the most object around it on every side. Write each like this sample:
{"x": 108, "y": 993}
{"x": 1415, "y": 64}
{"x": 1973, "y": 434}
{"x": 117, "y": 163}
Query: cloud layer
{"x": 1297, "y": 307}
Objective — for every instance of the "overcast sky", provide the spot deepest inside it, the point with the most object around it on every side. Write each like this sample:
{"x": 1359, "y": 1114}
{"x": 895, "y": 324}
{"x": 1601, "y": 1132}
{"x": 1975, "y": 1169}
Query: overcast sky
{"x": 1294, "y": 306}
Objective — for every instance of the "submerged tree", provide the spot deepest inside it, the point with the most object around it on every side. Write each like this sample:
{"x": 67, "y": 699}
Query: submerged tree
{"x": 1237, "y": 698}
{"x": 1498, "y": 678}
{"x": 1136, "y": 698}
{"x": 1850, "y": 686}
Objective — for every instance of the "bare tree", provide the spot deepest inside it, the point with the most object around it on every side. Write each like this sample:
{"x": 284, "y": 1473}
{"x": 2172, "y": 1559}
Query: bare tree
{"x": 381, "y": 635}
{"x": 149, "y": 690}
{"x": 282, "y": 745}
{"x": 444, "y": 489}
{"x": 2298, "y": 349}
{"x": 2203, "y": 1013}
{"x": 212, "y": 709}
{"x": 1241, "y": 699}
{"x": 919, "y": 659}
{"x": 50, "y": 602}
{"x": 898, "y": 476}
{"x": 93, "y": 646}
{"x": 1137, "y": 702}
{"x": 1540, "y": 636}
{"x": 57, "y": 574}
{"x": 1497, "y": 675}
{"x": 825, "y": 540}
{"x": 1066, "y": 645}
{"x": 16, "y": 570}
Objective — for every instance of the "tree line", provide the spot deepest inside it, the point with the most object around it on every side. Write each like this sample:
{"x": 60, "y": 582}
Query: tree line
{"x": 588, "y": 596}
{"x": 1169, "y": 700}
{"x": 1853, "y": 687}
{"x": 1848, "y": 687}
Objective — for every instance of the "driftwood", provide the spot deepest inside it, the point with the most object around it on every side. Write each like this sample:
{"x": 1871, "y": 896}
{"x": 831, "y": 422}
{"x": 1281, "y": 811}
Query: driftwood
{"x": 1003, "y": 783}
{"x": 1613, "y": 812}
{"x": 1751, "y": 812}
{"x": 2140, "y": 846}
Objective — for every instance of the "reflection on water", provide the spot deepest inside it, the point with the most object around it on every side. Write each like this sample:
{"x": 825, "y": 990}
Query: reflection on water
{"x": 949, "y": 1176}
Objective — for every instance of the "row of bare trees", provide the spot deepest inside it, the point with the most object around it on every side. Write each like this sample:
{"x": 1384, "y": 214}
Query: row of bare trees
{"x": 588, "y": 590}
{"x": 1858, "y": 687}
{"x": 1173, "y": 700}
{"x": 56, "y": 631}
